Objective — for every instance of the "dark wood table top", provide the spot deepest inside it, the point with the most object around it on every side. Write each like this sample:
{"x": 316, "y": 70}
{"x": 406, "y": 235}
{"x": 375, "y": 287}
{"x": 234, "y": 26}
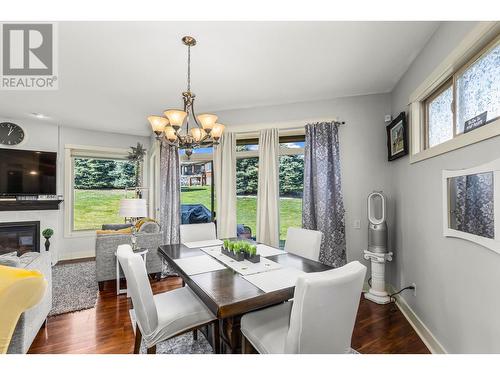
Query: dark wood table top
{"x": 226, "y": 292}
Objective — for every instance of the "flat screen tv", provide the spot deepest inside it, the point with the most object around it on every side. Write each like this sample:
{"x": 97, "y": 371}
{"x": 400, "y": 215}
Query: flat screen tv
{"x": 25, "y": 172}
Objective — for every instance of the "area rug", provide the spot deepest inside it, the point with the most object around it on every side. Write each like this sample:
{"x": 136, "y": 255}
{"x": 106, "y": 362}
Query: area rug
{"x": 74, "y": 287}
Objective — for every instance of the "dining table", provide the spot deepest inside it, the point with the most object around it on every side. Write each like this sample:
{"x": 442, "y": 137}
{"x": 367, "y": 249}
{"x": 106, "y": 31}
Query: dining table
{"x": 228, "y": 293}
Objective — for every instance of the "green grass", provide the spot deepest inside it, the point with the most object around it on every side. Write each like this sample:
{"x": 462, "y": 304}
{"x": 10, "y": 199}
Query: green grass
{"x": 92, "y": 208}
{"x": 246, "y": 208}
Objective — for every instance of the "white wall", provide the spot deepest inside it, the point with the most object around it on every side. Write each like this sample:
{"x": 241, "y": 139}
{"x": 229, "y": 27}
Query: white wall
{"x": 457, "y": 281}
{"x": 44, "y": 136}
{"x": 363, "y": 148}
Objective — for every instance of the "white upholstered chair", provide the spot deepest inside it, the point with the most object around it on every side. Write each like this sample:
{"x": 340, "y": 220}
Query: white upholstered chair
{"x": 162, "y": 316}
{"x": 319, "y": 320}
{"x": 197, "y": 232}
{"x": 303, "y": 242}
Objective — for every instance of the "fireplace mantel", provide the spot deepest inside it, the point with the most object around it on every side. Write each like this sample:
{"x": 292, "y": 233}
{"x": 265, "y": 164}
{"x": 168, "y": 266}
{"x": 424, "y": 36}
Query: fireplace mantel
{"x": 34, "y": 205}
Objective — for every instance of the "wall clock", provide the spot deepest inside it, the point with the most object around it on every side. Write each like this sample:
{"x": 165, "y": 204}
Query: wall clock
{"x": 10, "y": 134}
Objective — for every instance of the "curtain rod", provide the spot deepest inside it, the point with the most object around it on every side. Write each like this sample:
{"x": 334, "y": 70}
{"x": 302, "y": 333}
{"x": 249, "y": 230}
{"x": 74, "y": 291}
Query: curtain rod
{"x": 291, "y": 128}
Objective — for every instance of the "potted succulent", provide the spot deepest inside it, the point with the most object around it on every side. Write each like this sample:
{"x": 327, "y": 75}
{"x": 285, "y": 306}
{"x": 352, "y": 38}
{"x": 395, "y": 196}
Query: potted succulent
{"x": 251, "y": 254}
{"x": 47, "y": 233}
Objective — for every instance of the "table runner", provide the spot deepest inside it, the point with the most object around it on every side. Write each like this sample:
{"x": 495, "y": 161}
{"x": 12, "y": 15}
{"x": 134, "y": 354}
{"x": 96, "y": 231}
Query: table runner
{"x": 268, "y": 251}
{"x": 243, "y": 267}
{"x": 199, "y": 264}
{"x": 199, "y": 244}
{"x": 275, "y": 280}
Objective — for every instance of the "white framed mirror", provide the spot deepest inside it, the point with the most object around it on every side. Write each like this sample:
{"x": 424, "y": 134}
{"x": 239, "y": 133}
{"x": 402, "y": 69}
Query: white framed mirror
{"x": 471, "y": 204}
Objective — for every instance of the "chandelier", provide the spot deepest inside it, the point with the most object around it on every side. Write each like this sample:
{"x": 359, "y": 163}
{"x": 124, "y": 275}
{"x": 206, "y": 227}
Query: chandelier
{"x": 203, "y": 130}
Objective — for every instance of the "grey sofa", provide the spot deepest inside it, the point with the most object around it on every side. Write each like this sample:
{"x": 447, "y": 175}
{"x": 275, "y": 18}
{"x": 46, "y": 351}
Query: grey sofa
{"x": 106, "y": 245}
{"x": 33, "y": 319}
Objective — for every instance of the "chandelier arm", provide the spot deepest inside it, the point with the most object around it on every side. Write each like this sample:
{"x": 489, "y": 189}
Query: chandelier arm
{"x": 194, "y": 114}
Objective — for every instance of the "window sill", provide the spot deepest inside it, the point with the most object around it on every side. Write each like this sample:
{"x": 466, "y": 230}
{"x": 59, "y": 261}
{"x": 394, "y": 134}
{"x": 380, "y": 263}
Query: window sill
{"x": 477, "y": 135}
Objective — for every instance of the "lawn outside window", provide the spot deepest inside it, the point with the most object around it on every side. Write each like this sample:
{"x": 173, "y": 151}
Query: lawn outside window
{"x": 96, "y": 180}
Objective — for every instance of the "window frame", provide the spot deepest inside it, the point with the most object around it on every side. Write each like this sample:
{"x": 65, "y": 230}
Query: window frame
{"x": 452, "y": 82}
{"x": 473, "y": 46}
{"x": 70, "y": 152}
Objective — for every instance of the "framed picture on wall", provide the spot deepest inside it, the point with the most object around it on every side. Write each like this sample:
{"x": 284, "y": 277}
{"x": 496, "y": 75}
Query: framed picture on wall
{"x": 397, "y": 138}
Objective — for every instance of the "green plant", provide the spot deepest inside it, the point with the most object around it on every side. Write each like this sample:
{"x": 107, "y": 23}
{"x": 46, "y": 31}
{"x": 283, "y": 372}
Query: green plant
{"x": 252, "y": 250}
{"x": 48, "y": 232}
{"x": 230, "y": 246}
{"x": 226, "y": 244}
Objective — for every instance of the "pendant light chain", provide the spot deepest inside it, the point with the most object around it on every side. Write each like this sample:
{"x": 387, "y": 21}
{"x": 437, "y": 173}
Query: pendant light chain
{"x": 189, "y": 69}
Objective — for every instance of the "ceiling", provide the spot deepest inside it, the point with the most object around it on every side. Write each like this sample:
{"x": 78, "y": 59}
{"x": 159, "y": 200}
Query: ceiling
{"x": 112, "y": 75}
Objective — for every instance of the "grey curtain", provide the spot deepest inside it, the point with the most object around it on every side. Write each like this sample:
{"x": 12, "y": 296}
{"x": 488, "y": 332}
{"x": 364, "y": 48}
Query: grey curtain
{"x": 322, "y": 204}
{"x": 170, "y": 193}
{"x": 170, "y": 199}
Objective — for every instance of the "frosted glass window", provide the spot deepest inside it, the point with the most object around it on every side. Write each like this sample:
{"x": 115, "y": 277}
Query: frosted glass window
{"x": 478, "y": 89}
{"x": 440, "y": 118}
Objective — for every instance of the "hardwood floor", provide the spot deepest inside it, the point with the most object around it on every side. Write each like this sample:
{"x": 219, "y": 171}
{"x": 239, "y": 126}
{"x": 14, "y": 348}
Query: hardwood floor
{"x": 107, "y": 329}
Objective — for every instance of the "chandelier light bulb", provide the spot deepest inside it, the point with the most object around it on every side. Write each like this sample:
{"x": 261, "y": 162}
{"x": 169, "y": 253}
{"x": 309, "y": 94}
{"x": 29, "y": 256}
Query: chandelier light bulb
{"x": 158, "y": 124}
{"x": 217, "y": 131}
{"x": 170, "y": 134}
{"x": 207, "y": 121}
{"x": 197, "y": 134}
{"x": 176, "y": 117}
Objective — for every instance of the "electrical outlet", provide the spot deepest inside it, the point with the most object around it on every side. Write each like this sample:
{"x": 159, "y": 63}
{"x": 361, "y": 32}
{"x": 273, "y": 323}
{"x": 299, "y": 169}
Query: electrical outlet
{"x": 356, "y": 224}
{"x": 414, "y": 289}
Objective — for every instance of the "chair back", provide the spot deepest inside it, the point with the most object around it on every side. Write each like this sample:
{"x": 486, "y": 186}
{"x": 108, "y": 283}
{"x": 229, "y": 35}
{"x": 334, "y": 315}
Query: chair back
{"x": 324, "y": 310}
{"x": 139, "y": 288}
{"x": 197, "y": 232}
{"x": 303, "y": 242}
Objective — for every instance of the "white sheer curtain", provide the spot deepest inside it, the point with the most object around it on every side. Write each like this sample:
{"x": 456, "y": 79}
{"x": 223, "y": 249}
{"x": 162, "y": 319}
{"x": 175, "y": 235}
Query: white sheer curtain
{"x": 225, "y": 185}
{"x": 268, "y": 188}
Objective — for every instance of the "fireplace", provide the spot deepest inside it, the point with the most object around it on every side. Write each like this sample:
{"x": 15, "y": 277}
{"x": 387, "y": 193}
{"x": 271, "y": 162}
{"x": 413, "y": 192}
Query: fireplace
{"x": 22, "y": 237}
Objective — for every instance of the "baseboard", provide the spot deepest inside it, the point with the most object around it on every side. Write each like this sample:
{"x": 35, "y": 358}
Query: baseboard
{"x": 418, "y": 325}
{"x": 420, "y": 328}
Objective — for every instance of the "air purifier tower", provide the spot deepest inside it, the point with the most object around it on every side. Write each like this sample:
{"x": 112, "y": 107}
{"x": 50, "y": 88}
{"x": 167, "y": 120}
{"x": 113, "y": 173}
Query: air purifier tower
{"x": 377, "y": 247}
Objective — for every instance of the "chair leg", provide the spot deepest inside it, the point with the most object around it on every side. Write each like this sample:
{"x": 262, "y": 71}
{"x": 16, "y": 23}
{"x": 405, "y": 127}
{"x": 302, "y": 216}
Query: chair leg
{"x": 216, "y": 337}
{"x": 245, "y": 345}
{"x": 195, "y": 334}
{"x": 152, "y": 350}
{"x": 101, "y": 286}
{"x": 138, "y": 340}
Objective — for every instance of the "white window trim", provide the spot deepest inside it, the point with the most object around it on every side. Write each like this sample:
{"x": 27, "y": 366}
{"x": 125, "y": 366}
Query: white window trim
{"x": 469, "y": 46}
{"x": 84, "y": 151}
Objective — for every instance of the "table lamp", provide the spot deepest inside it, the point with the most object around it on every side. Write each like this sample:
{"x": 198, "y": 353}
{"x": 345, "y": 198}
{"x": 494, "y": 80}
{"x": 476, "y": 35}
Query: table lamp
{"x": 132, "y": 210}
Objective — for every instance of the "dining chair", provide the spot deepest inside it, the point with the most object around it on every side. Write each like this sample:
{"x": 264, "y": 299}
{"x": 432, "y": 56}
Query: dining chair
{"x": 197, "y": 232}
{"x": 166, "y": 315}
{"x": 319, "y": 320}
{"x": 303, "y": 242}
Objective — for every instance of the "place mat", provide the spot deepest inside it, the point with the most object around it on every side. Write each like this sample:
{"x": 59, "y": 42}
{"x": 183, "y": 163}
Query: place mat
{"x": 199, "y": 264}
{"x": 243, "y": 267}
{"x": 198, "y": 244}
{"x": 268, "y": 251}
{"x": 275, "y": 280}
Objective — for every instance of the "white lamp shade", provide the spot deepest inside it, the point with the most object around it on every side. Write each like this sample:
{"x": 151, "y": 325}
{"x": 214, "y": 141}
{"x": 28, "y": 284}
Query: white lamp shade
{"x": 133, "y": 208}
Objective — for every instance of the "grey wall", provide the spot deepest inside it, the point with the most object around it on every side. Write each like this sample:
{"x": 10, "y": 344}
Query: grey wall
{"x": 44, "y": 136}
{"x": 457, "y": 281}
{"x": 362, "y": 147}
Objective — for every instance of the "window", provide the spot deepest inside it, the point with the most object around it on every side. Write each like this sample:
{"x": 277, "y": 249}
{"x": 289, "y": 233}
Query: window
{"x": 468, "y": 100}
{"x": 291, "y": 185}
{"x": 291, "y": 177}
{"x": 197, "y": 192}
{"x": 247, "y": 180}
{"x": 98, "y": 186}
{"x": 197, "y": 187}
